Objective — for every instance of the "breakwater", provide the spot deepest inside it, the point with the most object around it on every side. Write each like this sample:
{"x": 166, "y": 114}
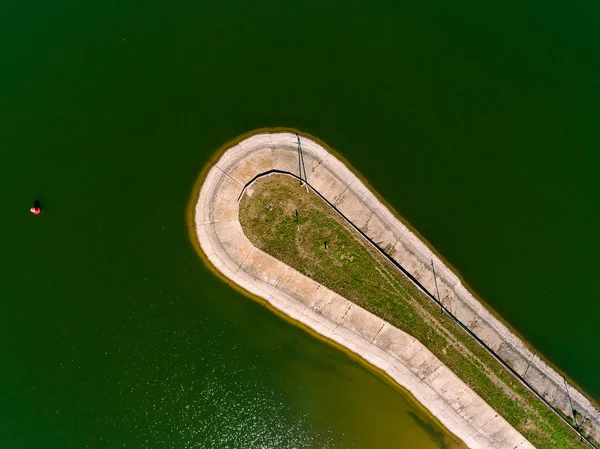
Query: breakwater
{"x": 227, "y": 248}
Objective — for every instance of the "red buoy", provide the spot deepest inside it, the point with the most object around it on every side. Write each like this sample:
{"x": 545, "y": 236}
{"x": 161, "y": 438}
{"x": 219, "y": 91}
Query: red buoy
{"x": 36, "y": 209}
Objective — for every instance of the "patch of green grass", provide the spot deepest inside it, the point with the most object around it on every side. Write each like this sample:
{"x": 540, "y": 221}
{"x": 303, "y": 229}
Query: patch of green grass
{"x": 293, "y": 224}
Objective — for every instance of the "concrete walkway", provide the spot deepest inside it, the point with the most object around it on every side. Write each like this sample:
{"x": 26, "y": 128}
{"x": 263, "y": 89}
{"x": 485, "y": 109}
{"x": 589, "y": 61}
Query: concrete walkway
{"x": 406, "y": 360}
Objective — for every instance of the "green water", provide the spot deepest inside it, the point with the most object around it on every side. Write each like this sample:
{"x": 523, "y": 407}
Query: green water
{"x": 477, "y": 122}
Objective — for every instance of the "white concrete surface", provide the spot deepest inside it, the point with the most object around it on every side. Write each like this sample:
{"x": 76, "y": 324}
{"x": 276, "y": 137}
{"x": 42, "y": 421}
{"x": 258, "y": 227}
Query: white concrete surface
{"x": 407, "y": 361}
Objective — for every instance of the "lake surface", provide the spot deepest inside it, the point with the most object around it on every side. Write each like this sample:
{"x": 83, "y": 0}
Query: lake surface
{"x": 477, "y": 122}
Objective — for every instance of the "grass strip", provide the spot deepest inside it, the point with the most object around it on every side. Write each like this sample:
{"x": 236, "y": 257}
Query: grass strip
{"x": 295, "y": 226}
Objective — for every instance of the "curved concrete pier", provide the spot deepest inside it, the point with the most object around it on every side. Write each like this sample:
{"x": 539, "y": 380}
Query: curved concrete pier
{"x": 402, "y": 357}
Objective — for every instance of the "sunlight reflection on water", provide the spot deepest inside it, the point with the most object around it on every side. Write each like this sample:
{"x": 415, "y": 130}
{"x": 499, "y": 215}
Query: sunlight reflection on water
{"x": 195, "y": 399}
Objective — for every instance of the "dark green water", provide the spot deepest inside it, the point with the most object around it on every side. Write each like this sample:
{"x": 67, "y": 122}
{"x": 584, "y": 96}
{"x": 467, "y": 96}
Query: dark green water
{"x": 477, "y": 122}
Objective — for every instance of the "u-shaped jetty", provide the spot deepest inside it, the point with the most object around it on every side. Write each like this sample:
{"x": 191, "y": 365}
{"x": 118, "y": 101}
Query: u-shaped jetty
{"x": 402, "y": 357}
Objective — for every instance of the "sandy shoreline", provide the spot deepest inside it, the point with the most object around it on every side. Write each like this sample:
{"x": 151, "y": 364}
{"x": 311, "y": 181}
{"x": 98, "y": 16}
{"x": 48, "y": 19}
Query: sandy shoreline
{"x": 404, "y": 359}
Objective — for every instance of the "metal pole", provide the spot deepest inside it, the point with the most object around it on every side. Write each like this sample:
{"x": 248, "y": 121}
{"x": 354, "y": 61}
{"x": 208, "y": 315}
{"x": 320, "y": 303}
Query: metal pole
{"x": 571, "y": 403}
{"x": 299, "y": 160}
{"x": 436, "y": 288}
{"x": 301, "y": 165}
